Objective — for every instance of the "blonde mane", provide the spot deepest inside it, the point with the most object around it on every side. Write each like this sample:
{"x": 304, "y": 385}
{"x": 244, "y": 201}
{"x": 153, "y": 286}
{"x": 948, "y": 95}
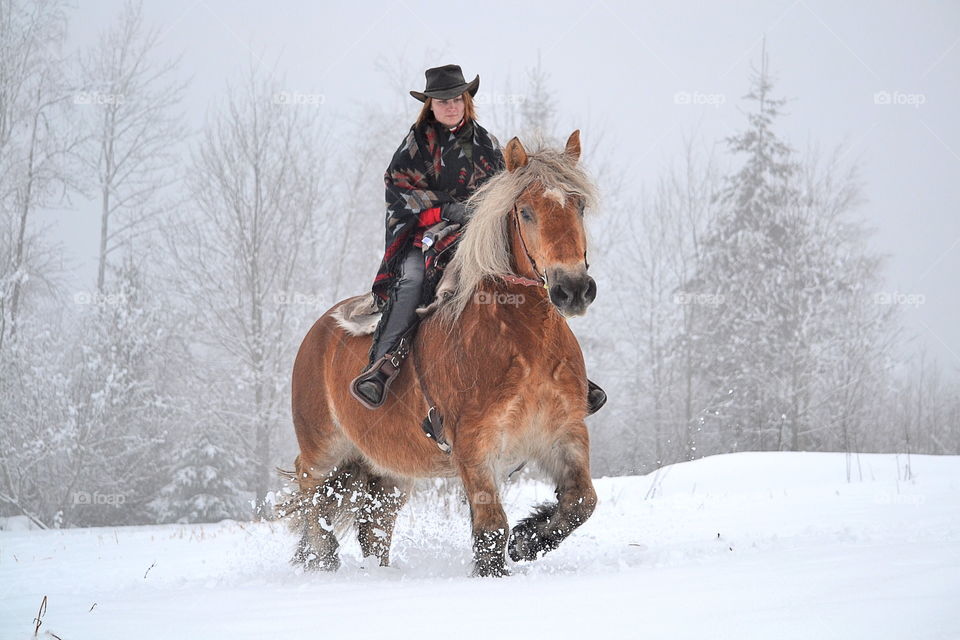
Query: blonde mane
{"x": 484, "y": 248}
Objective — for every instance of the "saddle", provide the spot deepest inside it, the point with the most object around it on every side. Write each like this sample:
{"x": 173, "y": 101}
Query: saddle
{"x": 360, "y": 315}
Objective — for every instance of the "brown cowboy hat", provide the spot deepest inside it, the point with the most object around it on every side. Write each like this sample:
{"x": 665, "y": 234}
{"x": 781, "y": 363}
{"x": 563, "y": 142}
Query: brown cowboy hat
{"x": 446, "y": 82}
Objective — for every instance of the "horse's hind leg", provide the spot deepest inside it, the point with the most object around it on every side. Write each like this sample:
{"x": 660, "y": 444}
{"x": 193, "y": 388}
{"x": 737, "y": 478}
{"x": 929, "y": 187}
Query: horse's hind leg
{"x": 383, "y": 497}
{"x": 319, "y": 509}
{"x": 551, "y": 523}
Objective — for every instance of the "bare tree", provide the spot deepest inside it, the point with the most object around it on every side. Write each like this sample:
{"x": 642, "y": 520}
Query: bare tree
{"x": 356, "y": 205}
{"x": 659, "y": 246}
{"x": 130, "y": 102}
{"x": 35, "y": 144}
{"x": 243, "y": 248}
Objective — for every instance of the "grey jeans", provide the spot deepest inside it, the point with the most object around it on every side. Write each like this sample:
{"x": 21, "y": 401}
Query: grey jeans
{"x": 407, "y": 292}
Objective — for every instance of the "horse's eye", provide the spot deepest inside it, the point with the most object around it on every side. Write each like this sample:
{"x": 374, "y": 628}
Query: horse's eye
{"x": 582, "y": 207}
{"x": 525, "y": 214}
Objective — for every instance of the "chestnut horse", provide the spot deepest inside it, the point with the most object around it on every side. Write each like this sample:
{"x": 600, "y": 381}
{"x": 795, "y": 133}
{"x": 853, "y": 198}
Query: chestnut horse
{"x": 497, "y": 359}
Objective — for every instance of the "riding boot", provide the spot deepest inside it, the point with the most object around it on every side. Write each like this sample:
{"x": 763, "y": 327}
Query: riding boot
{"x": 596, "y": 397}
{"x": 393, "y": 344}
{"x": 371, "y": 386}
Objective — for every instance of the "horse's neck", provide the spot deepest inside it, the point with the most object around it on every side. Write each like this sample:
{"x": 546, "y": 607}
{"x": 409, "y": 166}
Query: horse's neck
{"x": 511, "y": 313}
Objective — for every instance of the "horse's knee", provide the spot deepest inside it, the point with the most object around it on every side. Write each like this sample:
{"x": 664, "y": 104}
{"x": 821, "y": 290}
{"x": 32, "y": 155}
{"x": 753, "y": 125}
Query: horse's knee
{"x": 487, "y": 513}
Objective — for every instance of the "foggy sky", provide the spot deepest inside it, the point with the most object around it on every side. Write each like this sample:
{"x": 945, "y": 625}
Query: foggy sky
{"x": 617, "y": 67}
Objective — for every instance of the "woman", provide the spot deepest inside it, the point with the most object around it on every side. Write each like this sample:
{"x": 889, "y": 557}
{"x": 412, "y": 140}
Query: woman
{"x": 443, "y": 159}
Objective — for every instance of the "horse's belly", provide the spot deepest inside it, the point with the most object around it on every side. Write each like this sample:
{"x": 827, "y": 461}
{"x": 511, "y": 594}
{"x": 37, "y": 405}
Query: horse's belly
{"x": 397, "y": 446}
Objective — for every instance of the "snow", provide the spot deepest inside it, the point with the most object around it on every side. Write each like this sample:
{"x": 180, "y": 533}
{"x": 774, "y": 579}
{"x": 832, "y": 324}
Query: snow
{"x": 748, "y": 545}
{"x": 17, "y": 523}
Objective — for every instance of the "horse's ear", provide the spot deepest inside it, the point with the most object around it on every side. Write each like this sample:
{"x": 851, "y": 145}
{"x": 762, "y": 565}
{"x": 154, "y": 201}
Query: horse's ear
{"x": 573, "y": 146}
{"x": 515, "y": 155}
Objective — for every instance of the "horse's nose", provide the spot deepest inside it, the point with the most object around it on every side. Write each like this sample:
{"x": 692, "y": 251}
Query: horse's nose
{"x": 572, "y": 295}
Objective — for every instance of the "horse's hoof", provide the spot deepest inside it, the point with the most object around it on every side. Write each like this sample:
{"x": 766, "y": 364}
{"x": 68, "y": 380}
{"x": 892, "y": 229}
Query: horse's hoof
{"x": 521, "y": 553}
{"x": 490, "y": 570}
{"x": 523, "y": 544}
{"x": 327, "y": 564}
{"x": 312, "y": 562}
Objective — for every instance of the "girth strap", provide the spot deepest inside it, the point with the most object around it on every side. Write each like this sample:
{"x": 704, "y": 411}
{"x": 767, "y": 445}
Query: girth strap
{"x": 432, "y": 425}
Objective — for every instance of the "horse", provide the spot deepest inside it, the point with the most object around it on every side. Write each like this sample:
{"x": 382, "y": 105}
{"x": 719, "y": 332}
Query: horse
{"x": 497, "y": 359}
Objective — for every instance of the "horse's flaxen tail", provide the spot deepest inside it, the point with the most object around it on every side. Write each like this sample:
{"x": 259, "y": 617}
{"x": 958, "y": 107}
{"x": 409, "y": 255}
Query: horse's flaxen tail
{"x": 287, "y": 474}
{"x": 323, "y": 510}
{"x": 330, "y": 503}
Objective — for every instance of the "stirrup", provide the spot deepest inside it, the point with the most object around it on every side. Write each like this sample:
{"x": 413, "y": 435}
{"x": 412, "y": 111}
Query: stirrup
{"x": 432, "y": 427}
{"x": 383, "y": 371}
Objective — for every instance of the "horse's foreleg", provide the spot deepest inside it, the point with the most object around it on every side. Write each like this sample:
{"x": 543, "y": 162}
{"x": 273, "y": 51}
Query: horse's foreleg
{"x": 383, "y": 498}
{"x": 551, "y": 523}
{"x": 489, "y": 522}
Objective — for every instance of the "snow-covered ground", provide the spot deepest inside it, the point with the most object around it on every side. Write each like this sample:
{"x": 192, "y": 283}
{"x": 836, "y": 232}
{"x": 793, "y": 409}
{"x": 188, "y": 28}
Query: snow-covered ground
{"x": 751, "y": 545}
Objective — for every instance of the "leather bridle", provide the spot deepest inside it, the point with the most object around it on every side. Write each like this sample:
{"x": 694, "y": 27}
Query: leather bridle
{"x": 541, "y": 280}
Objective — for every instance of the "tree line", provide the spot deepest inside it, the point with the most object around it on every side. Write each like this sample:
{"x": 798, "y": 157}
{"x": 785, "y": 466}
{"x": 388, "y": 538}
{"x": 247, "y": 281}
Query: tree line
{"x": 739, "y": 306}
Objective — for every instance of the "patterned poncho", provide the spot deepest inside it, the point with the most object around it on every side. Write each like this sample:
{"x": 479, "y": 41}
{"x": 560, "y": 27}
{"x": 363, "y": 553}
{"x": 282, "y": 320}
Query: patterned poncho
{"x": 433, "y": 166}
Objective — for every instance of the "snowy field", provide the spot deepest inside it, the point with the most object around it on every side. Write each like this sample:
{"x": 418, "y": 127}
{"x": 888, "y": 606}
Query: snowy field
{"x": 750, "y": 545}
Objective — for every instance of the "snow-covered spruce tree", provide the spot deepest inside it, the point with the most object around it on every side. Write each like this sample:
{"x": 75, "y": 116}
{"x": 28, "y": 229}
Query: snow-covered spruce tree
{"x": 778, "y": 263}
{"x": 89, "y": 410}
{"x": 739, "y": 284}
{"x": 206, "y": 482}
{"x": 122, "y": 415}
{"x": 33, "y": 401}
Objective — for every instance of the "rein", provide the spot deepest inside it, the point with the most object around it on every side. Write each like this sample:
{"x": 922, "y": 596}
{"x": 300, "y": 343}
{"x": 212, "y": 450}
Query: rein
{"x": 515, "y": 279}
{"x": 541, "y": 280}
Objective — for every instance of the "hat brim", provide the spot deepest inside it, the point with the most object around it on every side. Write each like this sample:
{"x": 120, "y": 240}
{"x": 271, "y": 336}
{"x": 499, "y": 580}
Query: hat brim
{"x": 445, "y": 94}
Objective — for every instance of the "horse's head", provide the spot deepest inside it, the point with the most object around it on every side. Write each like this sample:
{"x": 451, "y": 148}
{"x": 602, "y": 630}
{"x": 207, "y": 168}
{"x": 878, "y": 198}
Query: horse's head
{"x": 550, "y": 242}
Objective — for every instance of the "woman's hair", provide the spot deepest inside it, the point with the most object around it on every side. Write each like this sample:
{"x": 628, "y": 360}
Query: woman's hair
{"x": 469, "y": 112}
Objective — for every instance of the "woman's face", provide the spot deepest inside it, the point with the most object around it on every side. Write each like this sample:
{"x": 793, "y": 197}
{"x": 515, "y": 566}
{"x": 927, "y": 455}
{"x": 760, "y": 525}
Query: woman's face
{"x": 448, "y": 112}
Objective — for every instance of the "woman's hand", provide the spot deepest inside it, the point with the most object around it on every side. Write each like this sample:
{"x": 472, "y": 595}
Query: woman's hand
{"x": 454, "y": 212}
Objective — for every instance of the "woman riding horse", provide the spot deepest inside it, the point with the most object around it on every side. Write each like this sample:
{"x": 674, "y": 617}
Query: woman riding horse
{"x": 443, "y": 159}
{"x": 497, "y": 365}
